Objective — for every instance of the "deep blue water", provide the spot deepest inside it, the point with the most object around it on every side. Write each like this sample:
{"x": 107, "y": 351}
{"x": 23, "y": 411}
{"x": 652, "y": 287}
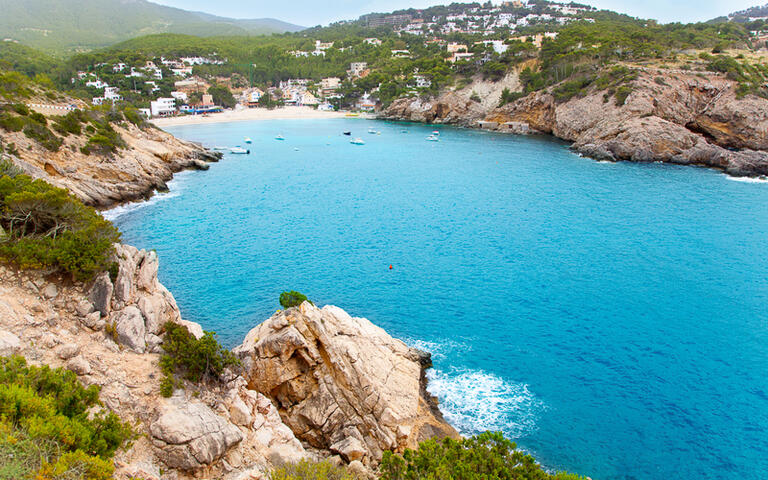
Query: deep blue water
{"x": 612, "y": 318}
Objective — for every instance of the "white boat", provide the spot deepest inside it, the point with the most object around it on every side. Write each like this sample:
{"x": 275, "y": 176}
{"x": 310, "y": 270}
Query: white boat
{"x": 220, "y": 149}
{"x": 239, "y": 151}
{"x": 248, "y": 140}
{"x": 357, "y": 141}
{"x": 436, "y": 133}
{"x": 279, "y": 137}
{"x": 432, "y": 138}
{"x": 373, "y": 132}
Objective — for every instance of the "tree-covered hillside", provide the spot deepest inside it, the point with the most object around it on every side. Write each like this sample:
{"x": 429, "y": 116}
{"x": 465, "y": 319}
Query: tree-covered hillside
{"x": 70, "y": 25}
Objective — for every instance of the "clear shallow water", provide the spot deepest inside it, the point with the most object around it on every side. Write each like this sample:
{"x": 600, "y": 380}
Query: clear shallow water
{"x": 612, "y": 318}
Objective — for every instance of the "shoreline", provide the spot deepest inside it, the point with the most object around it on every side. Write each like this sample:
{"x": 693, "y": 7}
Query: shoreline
{"x": 252, "y": 114}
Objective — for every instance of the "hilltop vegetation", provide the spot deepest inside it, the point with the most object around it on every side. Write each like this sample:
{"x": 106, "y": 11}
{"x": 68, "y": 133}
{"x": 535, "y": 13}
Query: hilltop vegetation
{"x": 70, "y": 25}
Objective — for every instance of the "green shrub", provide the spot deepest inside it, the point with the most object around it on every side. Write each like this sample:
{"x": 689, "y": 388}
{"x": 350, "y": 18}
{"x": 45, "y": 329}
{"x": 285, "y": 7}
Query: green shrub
{"x": 48, "y": 427}
{"x": 69, "y": 124}
{"x": 475, "y": 97}
{"x": 11, "y": 123}
{"x": 621, "y": 94}
{"x": 488, "y": 456}
{"x": 135, "y": 117}
{"x": 43, "y": 136}
{"x": 307, "y": 470}
{"x": 292, "y": 299}
{"x": 39, "y": 118}
{"x": 508, "y": 96}
{"x": 194, "y": 359}
{"x": 20, "y": 108}
{"x": 76, "y": 465}
{"x": 8, "y": 168}
{"x": 569, "y": 89}
{"x": 48, "y": 227}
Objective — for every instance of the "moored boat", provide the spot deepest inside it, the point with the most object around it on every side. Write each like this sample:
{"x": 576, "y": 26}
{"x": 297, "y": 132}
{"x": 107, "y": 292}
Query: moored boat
{"x": 357, "y": 141}
{"x": 279, "y": 137}
{"x": 239, "y": 151}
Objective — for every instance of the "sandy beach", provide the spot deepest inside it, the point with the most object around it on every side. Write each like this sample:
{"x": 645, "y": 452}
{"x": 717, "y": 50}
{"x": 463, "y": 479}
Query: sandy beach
{"x": 247, "y": 115}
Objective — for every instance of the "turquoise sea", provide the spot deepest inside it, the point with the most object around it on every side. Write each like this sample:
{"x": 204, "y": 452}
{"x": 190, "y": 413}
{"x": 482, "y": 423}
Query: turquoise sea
{"x": 611, "y": 318}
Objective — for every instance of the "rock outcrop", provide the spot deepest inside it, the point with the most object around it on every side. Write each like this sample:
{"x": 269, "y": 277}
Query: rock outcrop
{"x": 675, "y": 117}
{"x": 341, "y": 383}
{"x": 318, "y": 382}
{"x": 463, "y": 106}
{"x": 150, "y": 159}
{"x": 222, "y": 430}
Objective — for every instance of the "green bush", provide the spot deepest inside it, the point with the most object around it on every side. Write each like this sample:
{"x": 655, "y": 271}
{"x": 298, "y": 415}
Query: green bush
{"x": 569, "y": 89}
{"x": 69, "y": 124}
{"x": 194, "y": 359}
{"x": 292, "y": 299}
{"x": 508, "y": 96}
{"x": 48, "y": 427}
{"x": 135, "y": 117}
{"x": 11, "y": 123}
{"x": 307, "y": 470}
{"x": 621, "y": 94}
{"x": 48, "y": 227}
{"x": 20, "y": 108}
{"x": 488, "y": 456}
{"x": 43, "y": 136}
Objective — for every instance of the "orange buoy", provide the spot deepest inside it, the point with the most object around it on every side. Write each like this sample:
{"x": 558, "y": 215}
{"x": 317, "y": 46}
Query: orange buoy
{"x": 390, "y": 267}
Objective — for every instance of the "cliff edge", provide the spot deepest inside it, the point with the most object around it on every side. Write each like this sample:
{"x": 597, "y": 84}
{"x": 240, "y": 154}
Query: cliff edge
{"x": 688, "y": 118}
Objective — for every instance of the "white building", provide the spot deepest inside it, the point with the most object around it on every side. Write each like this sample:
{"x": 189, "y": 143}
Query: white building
{"x": 98, "y": 84}
{"x": 110, "y": 93}
{"x": 325, "y": 107}
{"x": 357, "y": 68}
{"x": 373, "y": 41}
{"x": 180, "y": 96}
{"x": 163, "y": 106}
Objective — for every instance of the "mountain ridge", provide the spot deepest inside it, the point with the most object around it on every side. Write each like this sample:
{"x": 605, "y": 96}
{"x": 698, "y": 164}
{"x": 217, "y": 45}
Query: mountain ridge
{"x": 79, "y": 25}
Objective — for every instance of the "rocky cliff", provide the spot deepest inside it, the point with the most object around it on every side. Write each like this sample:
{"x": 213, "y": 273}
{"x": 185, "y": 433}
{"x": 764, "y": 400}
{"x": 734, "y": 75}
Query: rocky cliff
{"x": 151, "y": 158}
{"x": 341, "y": 383}
{"x": 676, "y": 117}
{"x": 301, "y": 365}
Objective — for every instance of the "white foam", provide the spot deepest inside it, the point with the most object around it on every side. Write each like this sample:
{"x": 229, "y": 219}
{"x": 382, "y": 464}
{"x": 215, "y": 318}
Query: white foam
{"x": 474, "y": 401}
{"x": 747, "y": 179}
{"x": 438, "y": 349}
{"x": 175, "y": 186}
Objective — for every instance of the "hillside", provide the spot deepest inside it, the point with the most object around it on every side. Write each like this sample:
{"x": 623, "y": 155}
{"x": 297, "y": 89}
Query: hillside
{"x": 75, "y": 25}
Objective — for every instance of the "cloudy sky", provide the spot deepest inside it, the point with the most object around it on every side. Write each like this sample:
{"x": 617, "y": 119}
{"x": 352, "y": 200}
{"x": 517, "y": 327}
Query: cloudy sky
{"x": 314, "y": 12}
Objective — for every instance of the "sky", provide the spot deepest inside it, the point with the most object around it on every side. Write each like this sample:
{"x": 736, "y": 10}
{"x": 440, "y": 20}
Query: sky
{"x": 319, "y": 12}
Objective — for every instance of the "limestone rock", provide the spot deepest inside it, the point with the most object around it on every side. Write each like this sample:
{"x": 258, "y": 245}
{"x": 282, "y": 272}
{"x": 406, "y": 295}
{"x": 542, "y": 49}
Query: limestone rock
{"x": 50, "y": 291}
{"x": 341, "y": 383}
{"x": 147, "y": 275}
{"x": 68, "y": 350}
{"x": 131, "y": 329}
{"x": 84, "y": 307}
{"x": 101, "y": 294}
{"x": 79, "y": 365}
{"x": 190, "y": 434}
{"x": 93, "y": 321}
{"x": 10, "y": 344}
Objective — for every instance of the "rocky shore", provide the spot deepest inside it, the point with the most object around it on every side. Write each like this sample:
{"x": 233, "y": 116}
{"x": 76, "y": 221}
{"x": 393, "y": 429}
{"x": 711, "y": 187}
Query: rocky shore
{"x": 151, "y": 158}
{"x": 316, "y": 383}
{"x": 676, "y": 117}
